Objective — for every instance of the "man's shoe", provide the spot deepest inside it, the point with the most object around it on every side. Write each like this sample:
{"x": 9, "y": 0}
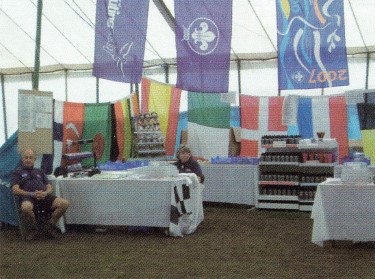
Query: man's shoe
{"x": 51, "y": 230}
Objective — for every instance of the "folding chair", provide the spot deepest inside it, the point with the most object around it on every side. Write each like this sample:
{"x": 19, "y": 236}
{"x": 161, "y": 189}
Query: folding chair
{"x": 41, "y": 215}
{"x": 21, "y": 224}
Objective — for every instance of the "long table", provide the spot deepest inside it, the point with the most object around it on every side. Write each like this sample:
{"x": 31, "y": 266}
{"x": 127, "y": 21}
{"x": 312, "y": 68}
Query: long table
{"x": 343, "y": 211}
{"x": 170, "y": 202}
{"x": 230, "y": 183}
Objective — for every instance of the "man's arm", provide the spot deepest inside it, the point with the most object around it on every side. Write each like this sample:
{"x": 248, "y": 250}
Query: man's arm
{"x": 40, "y": 195}
{"x": 198, "y": 171}
{"x": 19, "y": 192}
{"x": 37, "y": 194}
{"x": 49, "y": 189}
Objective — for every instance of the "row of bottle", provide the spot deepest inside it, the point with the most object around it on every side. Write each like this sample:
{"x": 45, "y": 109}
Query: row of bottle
{"x": 306, "y": 195}
{"x": 278, "y": 191}
{"x": 294, "y": 177}
{"x": 279, "y": 177}
{"x": 322, "y": 157}
{"x": 314, "y": 178}
{"x": 282, "y": 157}
{"x": 270, "y": 139}
{"x": 288, "y": 191}
{"x": 286, "y": 157}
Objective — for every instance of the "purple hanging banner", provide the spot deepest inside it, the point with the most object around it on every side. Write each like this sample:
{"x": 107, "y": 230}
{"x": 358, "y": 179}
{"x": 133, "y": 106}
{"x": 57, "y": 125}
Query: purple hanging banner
{"x": 120, "y": 36}
{"x": 203, "y": 42}
{"x": 311, "y": 44}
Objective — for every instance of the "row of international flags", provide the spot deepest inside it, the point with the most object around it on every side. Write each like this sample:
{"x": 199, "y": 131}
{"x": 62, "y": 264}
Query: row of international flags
{"x": 208, "y": 121}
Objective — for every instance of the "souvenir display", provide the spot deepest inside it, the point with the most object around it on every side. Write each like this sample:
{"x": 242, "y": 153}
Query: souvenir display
{"x": 148, "y": 137}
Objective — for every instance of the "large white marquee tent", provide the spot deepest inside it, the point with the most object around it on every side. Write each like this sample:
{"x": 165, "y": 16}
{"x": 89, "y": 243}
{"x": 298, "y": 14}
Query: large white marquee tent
{"x": 67, "y": 51}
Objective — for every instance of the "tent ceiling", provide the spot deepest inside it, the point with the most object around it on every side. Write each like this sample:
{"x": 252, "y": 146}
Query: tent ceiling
{"x": 68, "y": 32}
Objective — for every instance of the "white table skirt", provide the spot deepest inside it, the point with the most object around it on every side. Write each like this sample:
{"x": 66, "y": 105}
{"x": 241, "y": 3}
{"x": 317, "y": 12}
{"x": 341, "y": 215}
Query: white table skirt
{"x": 230, "y": 183}
{"x": 343, "y": 212}
{"x": 133, "y": 202}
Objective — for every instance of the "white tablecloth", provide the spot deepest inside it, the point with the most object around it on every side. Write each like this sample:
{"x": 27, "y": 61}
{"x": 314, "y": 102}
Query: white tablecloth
{"x": 150, "y": 202}
{"x": 343, "y": 212}
{"x": 230, "y": 183}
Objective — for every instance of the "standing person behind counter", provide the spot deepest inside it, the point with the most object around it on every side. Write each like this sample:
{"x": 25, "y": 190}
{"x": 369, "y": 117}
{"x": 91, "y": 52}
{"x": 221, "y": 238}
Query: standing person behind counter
{"x": 35, "y": 192}
{"x": 186, "y": 164}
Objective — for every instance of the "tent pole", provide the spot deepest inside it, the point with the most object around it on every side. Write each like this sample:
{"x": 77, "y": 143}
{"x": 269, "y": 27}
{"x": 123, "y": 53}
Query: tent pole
{"x": 66, "y": 84}
{"x": 37, "y": 45}
{"x": 4, "y": 107}
{"x": 97, "y": 90}
{"x": 367, "y": 69}
{"x": 166, "y": 69}
{"x": 239, "y": 75}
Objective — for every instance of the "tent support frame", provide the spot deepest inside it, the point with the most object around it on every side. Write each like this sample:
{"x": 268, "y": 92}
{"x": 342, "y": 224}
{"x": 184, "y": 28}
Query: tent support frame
{"x": 37, "y": 45}
{"x": 4, "y": 107}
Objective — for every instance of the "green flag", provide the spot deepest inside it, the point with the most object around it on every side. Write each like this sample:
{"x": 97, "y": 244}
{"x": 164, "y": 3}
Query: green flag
{"x": 97, "y": 126}
{"x": 208, "y": 109}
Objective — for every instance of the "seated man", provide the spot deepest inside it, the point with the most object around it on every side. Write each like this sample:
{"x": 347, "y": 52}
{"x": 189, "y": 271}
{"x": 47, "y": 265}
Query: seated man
{"x": 35, "y": 192}
{"x": 186, "y": 164}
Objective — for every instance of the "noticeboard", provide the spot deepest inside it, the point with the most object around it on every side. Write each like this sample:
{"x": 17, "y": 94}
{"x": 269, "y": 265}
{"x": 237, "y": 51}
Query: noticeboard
{"x": 35, "y": 121}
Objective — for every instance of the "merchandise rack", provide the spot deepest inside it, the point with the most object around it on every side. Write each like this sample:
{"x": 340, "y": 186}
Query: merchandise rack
{"x": 290, "y": 173}
{"x": 148, "y": 140}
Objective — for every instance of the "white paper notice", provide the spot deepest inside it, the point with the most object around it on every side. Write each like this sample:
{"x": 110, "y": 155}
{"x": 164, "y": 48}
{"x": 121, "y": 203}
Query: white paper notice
{"x": 43, "y": 120}
{"x": 44, "y": 104}
{"x": 25, "y": 112}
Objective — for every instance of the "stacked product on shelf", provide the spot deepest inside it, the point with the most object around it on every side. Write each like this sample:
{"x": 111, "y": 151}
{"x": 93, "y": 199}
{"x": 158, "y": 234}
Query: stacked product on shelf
{"x": 149, "y": 140}
{"x": 291, "y": 168}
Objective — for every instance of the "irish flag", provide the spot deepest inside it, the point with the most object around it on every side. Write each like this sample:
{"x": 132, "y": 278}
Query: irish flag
{"x": 208, "y": 124}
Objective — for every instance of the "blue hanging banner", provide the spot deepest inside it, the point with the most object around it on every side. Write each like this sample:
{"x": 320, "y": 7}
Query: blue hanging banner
{"x": 203, "y": 42}
{"x": 311, "y": 44}
{"x": 120, "y": 37}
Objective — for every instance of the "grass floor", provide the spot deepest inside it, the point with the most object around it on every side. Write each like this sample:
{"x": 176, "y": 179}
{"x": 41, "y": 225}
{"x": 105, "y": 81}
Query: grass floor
{"x": 232, "y": 242}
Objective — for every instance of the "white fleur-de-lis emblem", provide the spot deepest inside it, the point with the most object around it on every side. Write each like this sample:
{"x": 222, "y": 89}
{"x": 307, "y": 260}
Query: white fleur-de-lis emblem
{"x": 298, "y": 76}
{"x": 202, "y": 36}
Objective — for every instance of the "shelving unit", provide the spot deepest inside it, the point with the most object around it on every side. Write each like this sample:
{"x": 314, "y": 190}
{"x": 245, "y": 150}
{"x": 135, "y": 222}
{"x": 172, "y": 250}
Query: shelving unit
{"x": 290, "y": 173}
{"x": 148, "y": 139}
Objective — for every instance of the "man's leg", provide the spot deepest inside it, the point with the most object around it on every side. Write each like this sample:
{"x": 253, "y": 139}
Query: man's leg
{"x": 59, "y": 207}
{"x": 27, "y": 210}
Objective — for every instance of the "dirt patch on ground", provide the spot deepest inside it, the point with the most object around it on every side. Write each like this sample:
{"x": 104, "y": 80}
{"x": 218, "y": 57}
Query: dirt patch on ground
{"x": 232, "y": 242}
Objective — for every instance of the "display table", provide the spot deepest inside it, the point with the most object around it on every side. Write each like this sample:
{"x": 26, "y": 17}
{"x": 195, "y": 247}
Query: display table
{"x": 230, "y": 183}
{"x": 343, "y": 211}
{"x": 170, "y": 202}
